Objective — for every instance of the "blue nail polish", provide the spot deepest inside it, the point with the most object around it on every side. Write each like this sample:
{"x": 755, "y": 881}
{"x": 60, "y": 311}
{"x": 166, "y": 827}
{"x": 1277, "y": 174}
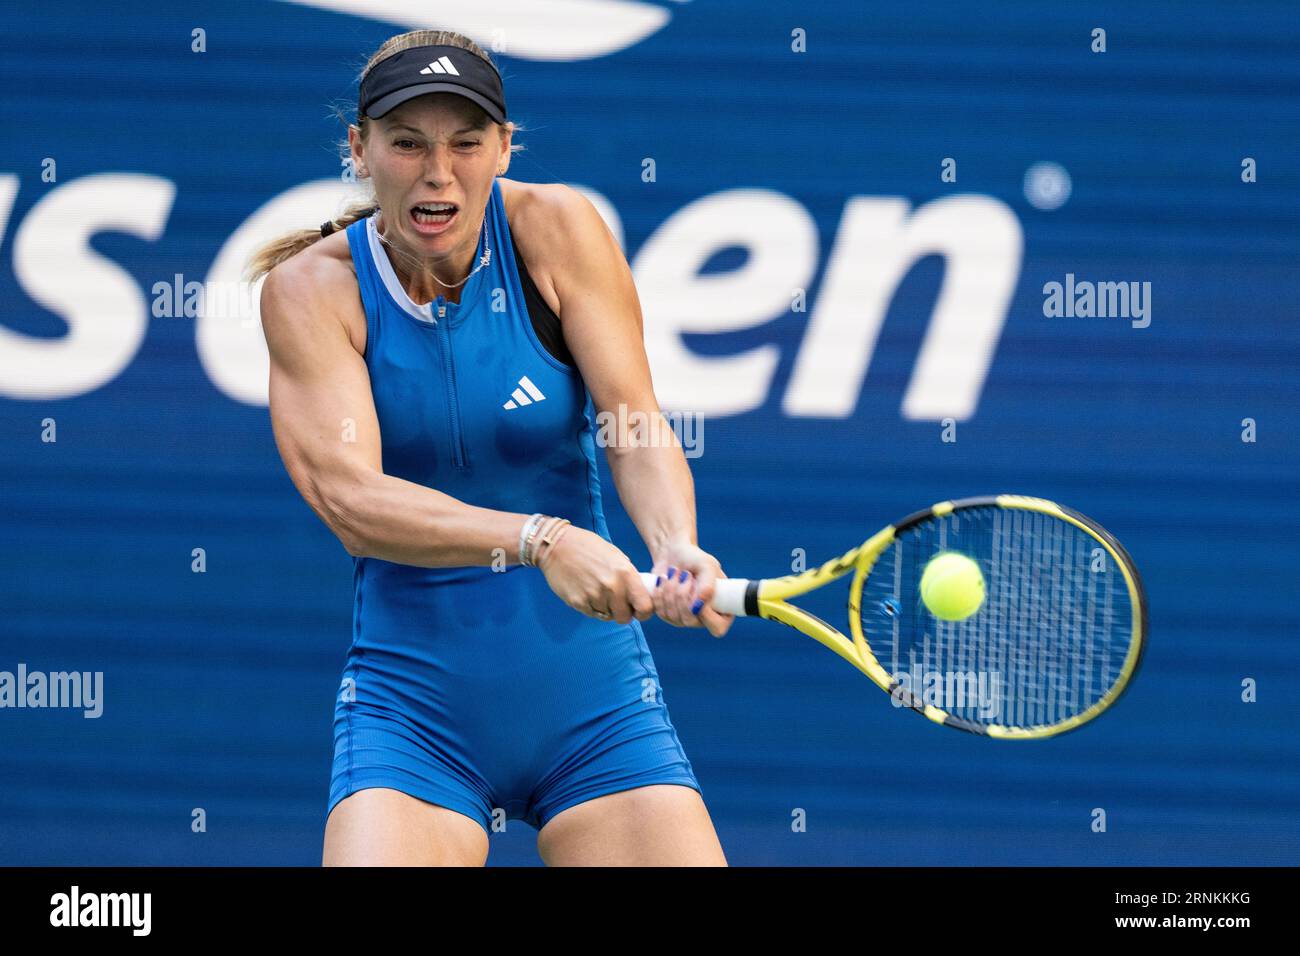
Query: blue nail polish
{"x": 657, "y": 581}
{"x": 684, "y": 575}
{"x": 695, "y": 608}
{"x": 671, "y": 572}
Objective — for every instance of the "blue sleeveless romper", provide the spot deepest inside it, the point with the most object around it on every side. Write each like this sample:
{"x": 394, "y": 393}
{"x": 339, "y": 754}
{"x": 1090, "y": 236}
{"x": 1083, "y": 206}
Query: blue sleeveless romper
{"x": 476, "y": 689}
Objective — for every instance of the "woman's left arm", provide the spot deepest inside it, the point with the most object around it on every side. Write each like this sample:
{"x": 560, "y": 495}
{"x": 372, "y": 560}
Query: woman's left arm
{"x": 600, "y": 316}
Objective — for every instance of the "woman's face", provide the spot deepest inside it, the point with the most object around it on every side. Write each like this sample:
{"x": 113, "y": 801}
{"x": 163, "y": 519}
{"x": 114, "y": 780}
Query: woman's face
{"x": 424, "y": 152}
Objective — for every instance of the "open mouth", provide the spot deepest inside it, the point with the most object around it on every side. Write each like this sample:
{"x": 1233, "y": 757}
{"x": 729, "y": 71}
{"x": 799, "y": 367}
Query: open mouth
{"x": 434, "y": 217}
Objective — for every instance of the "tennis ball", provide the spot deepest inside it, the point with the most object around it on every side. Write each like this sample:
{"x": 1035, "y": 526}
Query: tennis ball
{"x": 952, "y": 586}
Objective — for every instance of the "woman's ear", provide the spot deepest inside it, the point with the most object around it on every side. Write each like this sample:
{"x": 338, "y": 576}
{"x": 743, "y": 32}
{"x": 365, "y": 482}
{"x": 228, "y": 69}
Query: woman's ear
{"x": 507, "y": 130}
{"x": 358, "y": 151}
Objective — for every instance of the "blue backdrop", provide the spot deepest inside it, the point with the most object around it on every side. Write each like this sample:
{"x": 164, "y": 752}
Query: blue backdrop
{"x": 748, "y": 156}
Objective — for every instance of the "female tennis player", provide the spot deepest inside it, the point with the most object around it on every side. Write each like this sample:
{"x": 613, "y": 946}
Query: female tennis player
{"x": 437, "y": 358}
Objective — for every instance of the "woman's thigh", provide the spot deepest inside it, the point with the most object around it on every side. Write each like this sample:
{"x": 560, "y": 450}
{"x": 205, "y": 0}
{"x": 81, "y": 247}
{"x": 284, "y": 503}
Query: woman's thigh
{"x": 657, "y": 825}
{"x": 379, "y": 826}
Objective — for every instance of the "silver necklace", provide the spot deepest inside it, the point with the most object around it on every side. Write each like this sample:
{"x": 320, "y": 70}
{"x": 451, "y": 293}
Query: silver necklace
{"x": 482, "y": 260}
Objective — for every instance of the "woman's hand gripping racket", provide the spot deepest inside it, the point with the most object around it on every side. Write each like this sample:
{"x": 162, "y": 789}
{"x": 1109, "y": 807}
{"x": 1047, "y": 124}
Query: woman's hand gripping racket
{"x": 1031, "y": 624}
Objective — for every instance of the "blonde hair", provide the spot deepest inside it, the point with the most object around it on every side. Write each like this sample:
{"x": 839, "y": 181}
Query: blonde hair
{"x": 272, "y": 253}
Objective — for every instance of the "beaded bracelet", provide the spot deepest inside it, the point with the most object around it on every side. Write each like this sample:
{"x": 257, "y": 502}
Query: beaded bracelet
{"x": 525, "y": 533}
{"x": 537, "y": 527}
{"x": 533, "y": 534}
{"x": 532, "y": 546}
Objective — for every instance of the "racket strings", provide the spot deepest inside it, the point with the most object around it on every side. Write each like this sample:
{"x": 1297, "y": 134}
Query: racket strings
{"x": 1048, "y": 641}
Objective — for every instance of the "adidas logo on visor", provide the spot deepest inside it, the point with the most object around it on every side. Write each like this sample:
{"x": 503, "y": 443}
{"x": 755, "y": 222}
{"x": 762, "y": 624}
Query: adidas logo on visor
{"x": 441, "y": 65}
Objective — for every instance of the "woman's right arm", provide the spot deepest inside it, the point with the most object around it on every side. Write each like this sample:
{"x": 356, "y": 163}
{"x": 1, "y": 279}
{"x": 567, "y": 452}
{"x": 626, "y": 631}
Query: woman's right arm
{"x": 325, "y": 426}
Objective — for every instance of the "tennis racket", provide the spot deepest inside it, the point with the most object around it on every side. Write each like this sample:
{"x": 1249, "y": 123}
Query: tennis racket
{"x": 1057, "y": 639}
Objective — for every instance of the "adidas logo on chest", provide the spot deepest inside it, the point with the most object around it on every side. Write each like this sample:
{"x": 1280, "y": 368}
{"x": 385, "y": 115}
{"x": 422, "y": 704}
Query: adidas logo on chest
{"x": 526, "y": 393}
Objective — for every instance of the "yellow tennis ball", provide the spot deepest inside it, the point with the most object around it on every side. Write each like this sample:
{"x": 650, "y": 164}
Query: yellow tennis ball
{"x": 952, "y": 586}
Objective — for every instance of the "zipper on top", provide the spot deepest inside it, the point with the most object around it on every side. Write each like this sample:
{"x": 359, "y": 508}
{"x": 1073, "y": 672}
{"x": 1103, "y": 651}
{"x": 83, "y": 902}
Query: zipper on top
{"x": 453, "y": 402}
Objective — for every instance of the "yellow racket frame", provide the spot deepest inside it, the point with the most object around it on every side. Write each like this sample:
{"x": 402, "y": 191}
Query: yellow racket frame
{"x": 772, "y": 594}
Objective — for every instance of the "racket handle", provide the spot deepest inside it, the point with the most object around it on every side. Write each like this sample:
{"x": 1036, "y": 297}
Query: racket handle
{"x": 728, "y": 593}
